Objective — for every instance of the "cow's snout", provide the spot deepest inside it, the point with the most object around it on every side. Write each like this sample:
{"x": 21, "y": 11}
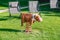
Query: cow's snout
{"x": 40, "y": 19}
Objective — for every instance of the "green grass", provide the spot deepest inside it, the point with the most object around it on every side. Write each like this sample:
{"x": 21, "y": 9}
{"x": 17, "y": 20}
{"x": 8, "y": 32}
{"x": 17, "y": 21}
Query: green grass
{"x": 2, "y": 7}
{"x": 49, "y": 29}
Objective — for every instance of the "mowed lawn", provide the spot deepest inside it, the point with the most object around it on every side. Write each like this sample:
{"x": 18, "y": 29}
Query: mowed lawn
{"x": 2, "y": 7}
{"x": 49, "y": 29}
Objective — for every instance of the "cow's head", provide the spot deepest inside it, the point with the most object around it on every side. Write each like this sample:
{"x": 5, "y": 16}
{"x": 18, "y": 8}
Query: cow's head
{"x": 37, "y": 17}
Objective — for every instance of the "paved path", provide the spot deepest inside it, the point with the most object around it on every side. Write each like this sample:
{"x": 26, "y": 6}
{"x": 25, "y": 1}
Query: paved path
{"x": 5, "y": 10}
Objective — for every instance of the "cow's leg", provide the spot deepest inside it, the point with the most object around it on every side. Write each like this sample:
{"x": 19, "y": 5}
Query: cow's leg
{"x": 22, "y": 19}
{"x": 28, "y": 27}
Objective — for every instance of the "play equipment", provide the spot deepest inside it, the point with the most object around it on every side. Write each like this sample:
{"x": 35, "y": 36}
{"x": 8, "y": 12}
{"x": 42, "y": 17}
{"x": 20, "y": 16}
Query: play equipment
{"x": 33, "y": 6}
{"x": 54, "y": 4}
{"x": 14, "y": 8}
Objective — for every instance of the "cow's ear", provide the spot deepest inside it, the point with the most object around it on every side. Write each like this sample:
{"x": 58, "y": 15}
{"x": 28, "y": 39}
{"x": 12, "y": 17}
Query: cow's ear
{"x": 34, "y": 16}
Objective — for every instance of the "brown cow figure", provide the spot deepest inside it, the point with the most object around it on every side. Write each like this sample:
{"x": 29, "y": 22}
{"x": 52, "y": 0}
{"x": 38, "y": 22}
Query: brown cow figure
{"x": 29, "y": 19}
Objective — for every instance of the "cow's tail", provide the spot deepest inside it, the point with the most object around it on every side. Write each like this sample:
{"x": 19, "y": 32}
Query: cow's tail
{"x": 21, "y": 19}
{"x": 21, "y": 23}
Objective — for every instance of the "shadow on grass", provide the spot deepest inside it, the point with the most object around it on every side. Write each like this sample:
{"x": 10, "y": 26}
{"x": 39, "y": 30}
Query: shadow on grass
{"x": 49, "y": 11}
{"x": 53, "y": 15}
{"x": 47, "y": 8}
{"x": 11, "y": 30}
{"x": 4, "y": 18}
{"x": 18, "y": 17}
